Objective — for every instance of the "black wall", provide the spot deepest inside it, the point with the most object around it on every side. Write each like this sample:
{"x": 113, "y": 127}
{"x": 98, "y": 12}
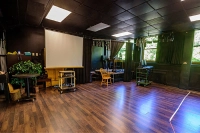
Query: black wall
{"x": 25, "y": 39}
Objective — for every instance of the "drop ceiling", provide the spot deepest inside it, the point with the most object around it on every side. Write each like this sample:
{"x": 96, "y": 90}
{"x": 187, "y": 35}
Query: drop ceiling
{"x": 140, "y": 17}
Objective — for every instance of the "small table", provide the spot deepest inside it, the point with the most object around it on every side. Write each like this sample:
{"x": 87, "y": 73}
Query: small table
{"x": 115, "y": 73}
{"x": 27, "y": 76}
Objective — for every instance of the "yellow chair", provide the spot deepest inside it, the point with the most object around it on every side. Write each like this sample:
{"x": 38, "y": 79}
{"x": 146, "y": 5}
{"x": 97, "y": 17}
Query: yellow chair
{"x": 14, "y": 93}
{"x": 106, "y": 78}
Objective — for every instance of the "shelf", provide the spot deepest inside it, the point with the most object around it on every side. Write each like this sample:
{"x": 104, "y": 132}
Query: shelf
{"x": 63, "y": 75}
{"x": 142, "y": 75}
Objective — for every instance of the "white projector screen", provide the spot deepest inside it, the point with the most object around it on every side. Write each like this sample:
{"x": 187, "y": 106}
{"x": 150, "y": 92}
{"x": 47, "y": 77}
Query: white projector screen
{"x": 63, "y": 50}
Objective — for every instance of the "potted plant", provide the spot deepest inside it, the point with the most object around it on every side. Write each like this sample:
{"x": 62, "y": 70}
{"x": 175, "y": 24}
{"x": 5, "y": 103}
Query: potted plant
{"x": 24, "y": 67}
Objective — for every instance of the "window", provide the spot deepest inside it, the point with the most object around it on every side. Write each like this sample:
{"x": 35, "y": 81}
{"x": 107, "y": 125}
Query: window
{"x": 151, "y": 48}
{"x": 121, "y": 54}
{"x": 196, "y": 47}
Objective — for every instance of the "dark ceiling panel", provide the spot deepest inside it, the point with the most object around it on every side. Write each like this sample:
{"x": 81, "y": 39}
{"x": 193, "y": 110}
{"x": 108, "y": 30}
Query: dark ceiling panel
{"x": 188, "y": 4}
{"x": 129, "y": 28}
{"x": 176, "y": 17}
{"x": 110, "y": 31}
{"x": 141, "y": 24}
{"x": 124, "y": 16}
{"x": 33, "y": 20}
{"x": 127, "y": 4}
{"x": 157, "y": 4}
{"x": 112, "y": 10}
{"x": 175, "y": 7}
{"x": 44, "y": 2}
{"x": 193, "y": 11}
{"x": 110, "y": 20}
{"x": 133, "y": 21}
{"x": 141, "y": 9}
{"x": 156, "y": 20}
{"x": 69, "y": 5}
{"x": 149, "y": 16}
{"x": 97, "y": 4}
{"x": 136, "y": 16}
{"x": 120, "y": 25}
{"x": 35, "y": 8}
{"x": 161, "y": 26}
{"x": 182, "y": 26}
{"x": 78, "y": 21}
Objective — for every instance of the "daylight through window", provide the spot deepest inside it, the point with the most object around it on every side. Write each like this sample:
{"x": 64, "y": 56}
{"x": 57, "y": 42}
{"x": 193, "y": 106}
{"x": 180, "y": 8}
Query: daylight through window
{"x": 151, "y": 48}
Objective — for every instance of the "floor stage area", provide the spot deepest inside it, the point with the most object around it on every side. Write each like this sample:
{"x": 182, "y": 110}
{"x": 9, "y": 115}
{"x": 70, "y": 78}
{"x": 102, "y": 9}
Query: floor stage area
{"x": 121, "y": 107}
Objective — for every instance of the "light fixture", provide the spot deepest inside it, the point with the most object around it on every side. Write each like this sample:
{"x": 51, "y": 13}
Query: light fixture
{"x": 122, "y": 34}
{"x": 57, "y": 14}
{"x": 195, "y": 17}
{"x": 98, "y": 27}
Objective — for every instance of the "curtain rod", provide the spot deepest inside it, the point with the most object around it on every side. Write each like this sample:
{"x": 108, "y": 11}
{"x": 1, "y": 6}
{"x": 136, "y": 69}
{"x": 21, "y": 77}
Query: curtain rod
{"x": 102, "y": 39}
{"x": 108, "y": 40}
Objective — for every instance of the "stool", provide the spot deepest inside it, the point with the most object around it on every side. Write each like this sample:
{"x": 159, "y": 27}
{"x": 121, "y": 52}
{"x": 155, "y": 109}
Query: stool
{"x": 44, "y": 81}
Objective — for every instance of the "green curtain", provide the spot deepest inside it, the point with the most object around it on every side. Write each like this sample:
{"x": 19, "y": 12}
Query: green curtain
{"x": 115, "y": 47}
{"x": 177, "y": 57}
{"x": 170, "y": 52}
{"x": 128, "y": 62}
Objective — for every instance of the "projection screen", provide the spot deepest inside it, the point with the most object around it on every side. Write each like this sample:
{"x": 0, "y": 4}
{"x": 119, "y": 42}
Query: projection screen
{"x": 63, "y": 50}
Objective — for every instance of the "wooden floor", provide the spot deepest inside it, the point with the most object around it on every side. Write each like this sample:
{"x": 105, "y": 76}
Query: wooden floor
{"x": 121, "y": 107}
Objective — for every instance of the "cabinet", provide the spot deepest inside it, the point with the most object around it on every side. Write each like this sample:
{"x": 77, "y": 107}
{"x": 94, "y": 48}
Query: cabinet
{"x": 142, "y": 75}
{"x": 67, "y": 81}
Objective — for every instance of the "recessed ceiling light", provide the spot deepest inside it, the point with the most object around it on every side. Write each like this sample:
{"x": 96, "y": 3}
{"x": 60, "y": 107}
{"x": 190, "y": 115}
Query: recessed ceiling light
{"x": 57, "y": 14}
{"x": 122, "y": 34}
{"x": 98, "y": 27}
{"x": 195, "y": 17}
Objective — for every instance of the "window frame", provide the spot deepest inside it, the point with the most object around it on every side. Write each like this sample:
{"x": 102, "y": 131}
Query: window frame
{"x": 152, "y": 43}
{"x": 198, "y": 46}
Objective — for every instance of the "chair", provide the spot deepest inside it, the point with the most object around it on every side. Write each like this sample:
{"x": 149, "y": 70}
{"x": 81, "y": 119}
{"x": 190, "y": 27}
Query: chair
{"x": 14, "y": 93}
{"x": 106, "y": 78}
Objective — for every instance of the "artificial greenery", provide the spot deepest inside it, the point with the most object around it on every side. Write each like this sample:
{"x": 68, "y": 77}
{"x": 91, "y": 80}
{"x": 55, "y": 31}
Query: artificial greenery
{"x": 24, "y": 67}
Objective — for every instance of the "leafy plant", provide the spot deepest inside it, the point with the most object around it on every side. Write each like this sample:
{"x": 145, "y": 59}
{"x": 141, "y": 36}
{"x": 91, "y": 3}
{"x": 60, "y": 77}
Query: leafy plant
{"x": 24, "y": 67}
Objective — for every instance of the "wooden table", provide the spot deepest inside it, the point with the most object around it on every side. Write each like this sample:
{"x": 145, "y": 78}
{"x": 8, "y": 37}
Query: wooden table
{"x": 26, "y": 77}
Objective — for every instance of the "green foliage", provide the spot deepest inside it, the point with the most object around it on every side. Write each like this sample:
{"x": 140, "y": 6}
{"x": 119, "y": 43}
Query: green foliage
{"x": 151, "y": 48}
{"x": 24, "y": 67}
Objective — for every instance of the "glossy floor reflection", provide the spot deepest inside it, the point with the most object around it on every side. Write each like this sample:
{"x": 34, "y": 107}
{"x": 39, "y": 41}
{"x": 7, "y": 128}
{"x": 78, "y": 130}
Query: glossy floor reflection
{"x": 121, "y": 107}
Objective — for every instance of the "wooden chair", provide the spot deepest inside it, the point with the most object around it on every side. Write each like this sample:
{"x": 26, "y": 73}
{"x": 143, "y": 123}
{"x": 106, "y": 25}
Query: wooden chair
{"x": 106, "y": 78}
{"x": 14, "y": 93}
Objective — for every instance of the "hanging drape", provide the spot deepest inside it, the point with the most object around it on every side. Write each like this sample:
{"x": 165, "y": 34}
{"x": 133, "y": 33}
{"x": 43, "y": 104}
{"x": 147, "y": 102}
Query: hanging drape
{"x": 87, "y": 45}
{"x": 177, "y": 57}
{"x": 128, "y": 62}
{"x": 115, "y": 47}
{"x": 170, "y": 52}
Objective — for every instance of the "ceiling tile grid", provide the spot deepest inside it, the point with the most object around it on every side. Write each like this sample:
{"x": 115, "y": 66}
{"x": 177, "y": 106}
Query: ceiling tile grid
{"x": 136, "y": 16}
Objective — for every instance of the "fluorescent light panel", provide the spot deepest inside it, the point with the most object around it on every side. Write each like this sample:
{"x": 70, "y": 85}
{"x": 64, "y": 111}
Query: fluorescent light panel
{"x": 122, "y": 34}
{"x": 57, "y": 14}
{"x": 98, "y": 27}
{"x": 195, "y": 17}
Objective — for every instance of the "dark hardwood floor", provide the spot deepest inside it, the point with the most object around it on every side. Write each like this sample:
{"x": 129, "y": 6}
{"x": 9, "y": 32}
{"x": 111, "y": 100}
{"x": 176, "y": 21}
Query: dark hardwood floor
{"x": 121, "y": 107}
